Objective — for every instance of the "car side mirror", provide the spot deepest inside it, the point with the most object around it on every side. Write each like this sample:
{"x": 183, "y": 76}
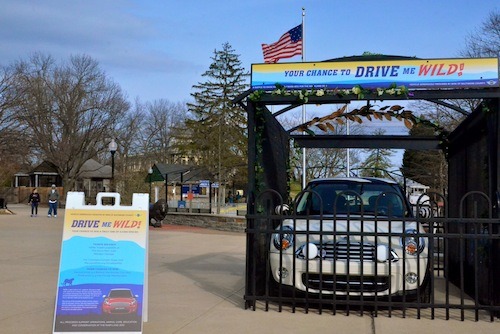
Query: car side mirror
{"x": 282, "y": 209}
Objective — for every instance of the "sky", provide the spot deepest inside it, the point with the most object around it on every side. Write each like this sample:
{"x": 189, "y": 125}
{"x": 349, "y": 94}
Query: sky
{"x": 159, "y": 49}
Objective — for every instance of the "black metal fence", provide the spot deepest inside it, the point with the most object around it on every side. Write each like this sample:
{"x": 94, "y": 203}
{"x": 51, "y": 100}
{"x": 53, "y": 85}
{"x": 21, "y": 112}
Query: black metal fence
{"x": 430, "y": 265}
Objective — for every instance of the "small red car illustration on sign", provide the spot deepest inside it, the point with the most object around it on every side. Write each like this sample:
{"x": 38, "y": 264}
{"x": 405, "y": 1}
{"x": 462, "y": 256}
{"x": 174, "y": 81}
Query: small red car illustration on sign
{"x": 119, "y": 301}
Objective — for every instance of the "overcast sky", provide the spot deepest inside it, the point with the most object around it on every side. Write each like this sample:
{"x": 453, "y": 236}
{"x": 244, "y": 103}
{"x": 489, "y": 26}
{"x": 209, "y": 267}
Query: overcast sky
{"x": 159, "y": 48}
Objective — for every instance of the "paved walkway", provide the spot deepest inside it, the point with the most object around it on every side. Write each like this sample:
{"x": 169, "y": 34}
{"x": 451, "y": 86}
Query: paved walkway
{"x": 196, "y": 285}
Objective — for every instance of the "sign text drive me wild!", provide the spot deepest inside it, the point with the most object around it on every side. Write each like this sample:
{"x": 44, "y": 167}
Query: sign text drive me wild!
{"x": 103, "y": 266}
{"x": 411, "y": 73}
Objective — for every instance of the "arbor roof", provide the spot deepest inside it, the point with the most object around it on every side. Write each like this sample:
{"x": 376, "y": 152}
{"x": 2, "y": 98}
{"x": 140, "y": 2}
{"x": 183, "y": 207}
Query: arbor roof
{"x": 178, "y": 173}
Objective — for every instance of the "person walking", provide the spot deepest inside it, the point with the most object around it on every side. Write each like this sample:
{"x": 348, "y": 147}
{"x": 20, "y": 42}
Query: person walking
{"x": 53, "y": 201}
{"x": 34, "y": 199}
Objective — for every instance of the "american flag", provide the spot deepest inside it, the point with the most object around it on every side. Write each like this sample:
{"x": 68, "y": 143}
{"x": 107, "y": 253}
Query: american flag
{"x": 289, "y": 45}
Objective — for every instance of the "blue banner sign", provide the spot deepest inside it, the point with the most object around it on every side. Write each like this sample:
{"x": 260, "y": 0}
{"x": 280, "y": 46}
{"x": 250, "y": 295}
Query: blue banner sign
{"x": 411, "y": 73}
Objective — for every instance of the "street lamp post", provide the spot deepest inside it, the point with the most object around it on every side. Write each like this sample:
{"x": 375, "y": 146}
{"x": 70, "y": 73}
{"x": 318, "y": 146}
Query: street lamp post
{"x": 150, "y": 173}
{"x": 112, "y": 149}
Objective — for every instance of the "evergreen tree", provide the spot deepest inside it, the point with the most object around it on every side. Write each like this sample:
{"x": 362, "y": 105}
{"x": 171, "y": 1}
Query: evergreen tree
{"x": 426, "y": 167}
{"x": 215, "y": 130}
{"x": 378, "y": 160}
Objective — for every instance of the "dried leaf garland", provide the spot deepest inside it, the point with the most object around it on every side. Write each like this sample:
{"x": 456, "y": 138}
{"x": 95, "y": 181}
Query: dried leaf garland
{"x": 408, "y": 123}
{"x": 340, "y": 116}
{"x": 330, "y": 126}
{"x": 396, "y": 108}
{"x": 322, "y": 127}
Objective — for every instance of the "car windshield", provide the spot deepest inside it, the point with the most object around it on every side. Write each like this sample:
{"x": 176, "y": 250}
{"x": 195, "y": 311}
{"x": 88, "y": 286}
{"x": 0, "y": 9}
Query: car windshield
{"x": 352, "y": 197}
{"x": 120, "y": 294}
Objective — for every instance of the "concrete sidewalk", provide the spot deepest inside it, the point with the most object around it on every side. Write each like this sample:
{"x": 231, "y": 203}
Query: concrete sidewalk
{"x": 196, "y": 285}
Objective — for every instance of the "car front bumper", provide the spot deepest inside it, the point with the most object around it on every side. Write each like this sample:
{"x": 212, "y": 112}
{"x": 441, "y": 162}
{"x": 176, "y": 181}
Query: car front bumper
{"x": 353, "y": 278}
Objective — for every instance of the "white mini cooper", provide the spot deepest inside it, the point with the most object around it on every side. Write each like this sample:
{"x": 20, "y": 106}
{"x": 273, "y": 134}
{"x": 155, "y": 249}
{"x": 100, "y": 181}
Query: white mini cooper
{"x": 351, "y": 237}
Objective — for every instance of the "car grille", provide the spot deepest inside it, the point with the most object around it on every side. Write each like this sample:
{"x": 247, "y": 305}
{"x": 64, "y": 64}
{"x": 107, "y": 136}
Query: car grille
{"x": 120, "y": 307}
{"x": 347, "y": 251}
{"x": 350, "y": 251}
{"x": 344, "y": 283}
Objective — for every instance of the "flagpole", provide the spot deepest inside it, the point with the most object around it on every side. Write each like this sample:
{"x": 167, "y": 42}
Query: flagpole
{"x": 348, "y": 171}
{"x": 303, "y": 34}
{"x": 303, "y": 106}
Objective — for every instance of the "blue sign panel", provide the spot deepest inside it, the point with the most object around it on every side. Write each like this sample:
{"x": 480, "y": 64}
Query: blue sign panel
{"x": 195, "y": 189}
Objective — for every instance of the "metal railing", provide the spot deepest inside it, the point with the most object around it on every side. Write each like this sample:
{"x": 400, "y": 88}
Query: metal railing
{"x": 360, "y": 269}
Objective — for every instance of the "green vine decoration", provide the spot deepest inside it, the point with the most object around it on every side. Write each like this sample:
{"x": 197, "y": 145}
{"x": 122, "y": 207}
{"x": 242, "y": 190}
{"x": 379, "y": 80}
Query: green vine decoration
{"x": 304, "y": 94}
{"x": 485, "y": 109}
{"x": 259, "y": 169}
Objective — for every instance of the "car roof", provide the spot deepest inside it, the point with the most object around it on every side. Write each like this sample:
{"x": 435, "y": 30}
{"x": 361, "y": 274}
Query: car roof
{"x": 354, "y": 179}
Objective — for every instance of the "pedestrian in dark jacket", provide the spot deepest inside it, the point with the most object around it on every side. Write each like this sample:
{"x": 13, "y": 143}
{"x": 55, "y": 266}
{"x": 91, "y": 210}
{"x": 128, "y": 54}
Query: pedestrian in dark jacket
{"x": 53, "y": 201}
{"x": 34, "y": 199}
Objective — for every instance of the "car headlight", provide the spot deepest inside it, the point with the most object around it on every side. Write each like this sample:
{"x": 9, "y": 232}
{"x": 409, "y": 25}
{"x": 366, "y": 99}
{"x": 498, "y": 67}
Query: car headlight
{"x": 412, "y": 245}
{"x": 309, "y": 251}
{"x": 284, "y": 239}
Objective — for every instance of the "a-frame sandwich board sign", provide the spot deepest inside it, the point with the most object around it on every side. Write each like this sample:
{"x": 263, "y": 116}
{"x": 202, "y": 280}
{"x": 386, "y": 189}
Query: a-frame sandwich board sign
{"x": 102, "y": 282}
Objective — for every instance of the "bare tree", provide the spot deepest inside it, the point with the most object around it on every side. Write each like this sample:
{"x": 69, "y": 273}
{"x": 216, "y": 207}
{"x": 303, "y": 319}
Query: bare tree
{"x": 144, "y": 137}
{"x": 8, "y": 98}
{"x": 325, "y": 162}
{"x": 14, "y": 146}
{"x": 321, "y": 162}
{"x": 70, "y": 110}
{"x": 162, "y": 120}
{"x": 445, "y": 117}
{"x": 430, "y": 167}
{"x": 484, "y": 41}
{"x": 130, "y": 131}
